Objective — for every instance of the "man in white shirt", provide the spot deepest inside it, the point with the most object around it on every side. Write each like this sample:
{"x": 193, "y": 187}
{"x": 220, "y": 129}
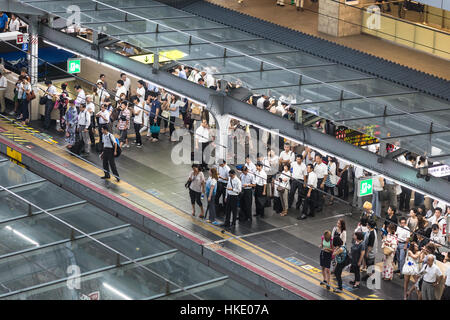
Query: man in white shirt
{"x": 250, "y": 165}
{"x": 321, "y": 170}
{"x": 260, "y": 189}
{"x": 223, "y": 172}
{"x": 432, "y": 276}
{"x": 103, "y": 119}
{"x": 140, "y": 92}
{"x": 260, "y": 102}
{"x": 299, "y": 174}
{"x": 438, "y": 219}
{"x": 286, "y": 156}
{"x": 311, "y": 193}
{"x": 3, "y": 87}
{"x": 81, "y": 96}
{"x": 126, "y": 84}
{"x": 246, "y": 200}
{"x": 202, "y": 139}
{"x": 308, "y": 156}
{"x": 14, "y": 23}
{"x": 90, "y": 108}
{"x": 234, "y": 188}
{"x": 138, "y": 112}
{"x": 119, "y": 90}
{"x": 49, "y": 104}
{"x": 210, "y": 81}
{"x": 84, "y": 121}
{"x": 403, "y": 234}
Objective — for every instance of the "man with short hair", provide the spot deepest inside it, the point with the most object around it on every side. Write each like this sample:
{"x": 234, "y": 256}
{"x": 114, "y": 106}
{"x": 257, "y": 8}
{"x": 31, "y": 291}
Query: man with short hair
{"x": 3, "y": 21}
{"x": 248, "y": 183}
{"x": 126, "y": 83}
{"x": 438, "y": 219}
{"x": 90, "y": 108}
{"x": 102, "y": 78}
{"x": 49, "y": 104}
{"x": 14, "y": 23}
{"x": 223, "y": 172}
{"x": 286, "y": 156}
{"x": 299, "y": 174}
{"x": 84, "y": 121}
{"x": 311, "y": 194}
{"x": 403, "y": 234}
{"x": 260, "y": 189}
{"x": 233, "y": 190}
{"x": 432, "y": 276}
{"x": 371, "y": 246}
{"x": 108, "y": 154}
{"x": 120, "y": 89}
{"x": 202, "y": 138}
{"x": 321, "y": 171}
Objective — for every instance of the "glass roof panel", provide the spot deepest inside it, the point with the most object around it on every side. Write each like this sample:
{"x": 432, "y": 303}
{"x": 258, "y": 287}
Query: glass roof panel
{"x": 292, "y": 59}
{"x": 98, "y": 16}
{"x": 11, "y": 206}
{"x": 253, "y": 47}
{"x": 61, "y": 6}
{"x": 234, "y": 64}
{"x": 159, "y": 12}
{"x": 189, "y": 23}
{"x": 331, "y": 73}
{"x": 156, "y": 39}
{"x": 31, "y": 232}
{"x": 13, "y": 175}
{"x": 131, "y": 3}
{"x": 116, "y": 28}
{"x": 371, "y": 87}
{"x": 346, "y": 109}
{"x": 215, "y": 35}
{"x": 38, "y": 267}
{"x": 48, "y": 195}
{"x": 133, "y": 282}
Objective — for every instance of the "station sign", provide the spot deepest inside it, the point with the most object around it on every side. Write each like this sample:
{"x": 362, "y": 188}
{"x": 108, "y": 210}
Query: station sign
{"x": 74, "y": 65}
{"x": 22, "y": 38}
{"x": 365, "y": 187}
{"x": 25, "y": 46}
{"x": 440, "y": 171}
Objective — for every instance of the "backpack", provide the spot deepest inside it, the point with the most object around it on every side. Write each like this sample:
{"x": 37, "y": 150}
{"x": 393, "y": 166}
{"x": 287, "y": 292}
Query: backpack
{"x": 119, "y": 150}
{"x": 343, "y": 257}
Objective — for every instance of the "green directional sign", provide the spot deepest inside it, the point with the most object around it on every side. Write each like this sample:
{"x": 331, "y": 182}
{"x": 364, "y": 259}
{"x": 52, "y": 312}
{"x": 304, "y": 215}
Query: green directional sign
{"x": 365, "y": 187}
{"x": 74, "y": 65}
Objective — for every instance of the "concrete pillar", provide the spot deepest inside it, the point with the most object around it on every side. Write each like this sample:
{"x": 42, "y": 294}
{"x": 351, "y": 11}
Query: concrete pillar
{"x": 338, "y": 19}
{"x": 222, "y": 123}
{"x": 34, "y": 46}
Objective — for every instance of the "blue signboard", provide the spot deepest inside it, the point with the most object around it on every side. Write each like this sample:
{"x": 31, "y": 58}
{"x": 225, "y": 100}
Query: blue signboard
{"x": 25, "y": 46}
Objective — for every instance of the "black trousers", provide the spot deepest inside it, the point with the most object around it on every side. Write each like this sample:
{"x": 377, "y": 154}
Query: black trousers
{"x": 260, "y": 200}
{"x": 203, "y": 147}
{"x": 319, "y": 196}
{"x": 311, "y": 203}
{"x": 171, "y": 125}
{"x": 343, "y": 185}
{"x": 405, "y": 198}
{"x": 231, "y": 207}
{"x": 296, "y": 186}
{"x": 48, "y": 111}
{"x": 221, "y": 192}
{"x": 338, "y": 274}
{"x": 108, "y": 161}
{"x": 246, "y": 204}
{"x": 91, "y": 130}
{"x": 137, "y": 127}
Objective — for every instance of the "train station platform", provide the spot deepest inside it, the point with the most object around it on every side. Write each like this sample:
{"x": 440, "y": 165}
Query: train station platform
{"x": 283, "y": 250}
{"x": 307, "y": 22}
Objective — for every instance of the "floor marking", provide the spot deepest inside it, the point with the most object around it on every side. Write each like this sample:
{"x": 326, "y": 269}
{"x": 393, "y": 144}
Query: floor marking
{"x": 268, "y": 256}
{"x": 295, "y": 261}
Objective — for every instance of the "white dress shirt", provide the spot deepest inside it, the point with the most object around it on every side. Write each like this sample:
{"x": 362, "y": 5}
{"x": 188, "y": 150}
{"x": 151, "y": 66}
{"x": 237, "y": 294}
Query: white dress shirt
{"x": 106, "y": 114}
{"x": 430, "y": 274}
{"x": 126, "y": 84}
{"x": 84, "y": 118}
{"x": 120, "y": 90}
{"x": 321, "y": 170}
{"x": 260, "y": 178}
{"x": 298, "y": 171}
{"x": 247, "y": 179}
{"x": 287, "y": 156}
{"x": 81, "y": 98}
{"x": 251, "y": 167}
{"x": 90, "y": 107}
{"x": 3, "y": 82}
{"x": 14, "y": 25}
{"x": 305, "y": 156}
{"x": 202, "y": 134}
{"x": 402, "y": 233}
{"x": 312, "y": 179}
{"x": 223, "y": 173}
{"x": 140, "y": 92}
{"x": 235, "y": 184}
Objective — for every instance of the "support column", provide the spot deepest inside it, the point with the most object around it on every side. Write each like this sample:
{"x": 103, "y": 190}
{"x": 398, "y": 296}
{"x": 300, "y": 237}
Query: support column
{"x": 222, "y": 123}
{"x": 34, "y": 46}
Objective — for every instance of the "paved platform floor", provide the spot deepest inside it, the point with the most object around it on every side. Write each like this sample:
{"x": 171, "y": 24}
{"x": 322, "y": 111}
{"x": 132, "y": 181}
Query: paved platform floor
{"x": 285, "y": 246}
{"x": 307, "y": 22}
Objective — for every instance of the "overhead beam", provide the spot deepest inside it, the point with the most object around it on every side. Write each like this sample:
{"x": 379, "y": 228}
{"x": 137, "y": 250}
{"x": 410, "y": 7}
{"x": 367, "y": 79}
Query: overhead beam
{"x": 437, "y": 188}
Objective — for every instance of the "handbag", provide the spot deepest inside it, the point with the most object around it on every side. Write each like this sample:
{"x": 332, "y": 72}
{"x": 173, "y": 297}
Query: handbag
{"x": 31, "y": 96}
{"x": 196, "y": 113}
{"x": 165, "y": 114}
{"x": 43, "y": 100}
{"x": 155, "y": 129}
{"x": 387, "y": 250}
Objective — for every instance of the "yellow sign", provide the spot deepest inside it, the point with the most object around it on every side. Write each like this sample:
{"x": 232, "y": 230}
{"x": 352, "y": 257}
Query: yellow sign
{"x": 310, "y": 268}
{"x": 13, "y": 154}
{"x": 164, "y": 56}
